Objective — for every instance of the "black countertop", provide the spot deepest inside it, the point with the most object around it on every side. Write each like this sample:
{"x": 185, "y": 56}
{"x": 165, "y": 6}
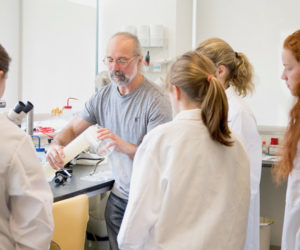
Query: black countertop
{"x": 78, "y": 186}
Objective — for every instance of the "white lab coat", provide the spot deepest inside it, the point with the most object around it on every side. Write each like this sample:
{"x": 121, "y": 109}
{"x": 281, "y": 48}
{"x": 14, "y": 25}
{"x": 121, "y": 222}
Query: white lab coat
{"x": 242, "y": 121}
{"x": 187, "y": 191}
{"x": 291, "y": 225}
{"x": 25, "y": 196}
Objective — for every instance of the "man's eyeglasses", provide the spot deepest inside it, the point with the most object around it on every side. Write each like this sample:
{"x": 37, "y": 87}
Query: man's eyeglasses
{"x": 121, "y": 61}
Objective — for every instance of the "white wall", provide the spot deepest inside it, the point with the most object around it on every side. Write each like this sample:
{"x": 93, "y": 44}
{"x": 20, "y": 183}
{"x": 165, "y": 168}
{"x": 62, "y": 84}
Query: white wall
{"x": 183, "y": 26}
{"x": 52, "y": 43}
{"x": 175, "y": 16}
{"x": 10, "y": 40}
{"x": 256, "y": 28}
{"x": 58, "y": 52}
{"x": 57, "y": 41}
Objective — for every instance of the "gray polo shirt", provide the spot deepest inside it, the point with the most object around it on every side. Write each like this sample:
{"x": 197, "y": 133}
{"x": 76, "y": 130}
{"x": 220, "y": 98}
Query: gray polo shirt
{"x": 130, "y": 116}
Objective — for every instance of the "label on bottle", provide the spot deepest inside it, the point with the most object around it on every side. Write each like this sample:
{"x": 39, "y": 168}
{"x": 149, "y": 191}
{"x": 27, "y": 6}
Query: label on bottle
{"x": 274, "y": 149}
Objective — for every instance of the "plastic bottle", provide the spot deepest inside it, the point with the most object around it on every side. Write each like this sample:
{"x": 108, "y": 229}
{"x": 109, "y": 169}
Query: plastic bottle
{"x": 99, "y": 146}
{"x": 147, "y": 59}
{"x": 67, "y": 110}
{"x": 265, "y": 148}
{"x": 274, "y": 147}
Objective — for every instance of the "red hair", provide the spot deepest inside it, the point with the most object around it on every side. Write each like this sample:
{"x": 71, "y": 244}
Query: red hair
{"x": 292, "y": 135}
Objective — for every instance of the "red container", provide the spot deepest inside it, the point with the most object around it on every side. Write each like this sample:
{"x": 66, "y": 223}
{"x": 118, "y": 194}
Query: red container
{"x": 274, "y": 141}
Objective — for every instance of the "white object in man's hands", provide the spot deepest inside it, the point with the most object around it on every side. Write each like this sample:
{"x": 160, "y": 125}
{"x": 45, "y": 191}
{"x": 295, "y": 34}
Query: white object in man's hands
{"x": 87, "y": 139}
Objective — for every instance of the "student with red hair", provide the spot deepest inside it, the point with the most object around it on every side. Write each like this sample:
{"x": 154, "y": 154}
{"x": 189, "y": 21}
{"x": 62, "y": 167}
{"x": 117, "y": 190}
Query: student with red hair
{"x": 289, "y": 165}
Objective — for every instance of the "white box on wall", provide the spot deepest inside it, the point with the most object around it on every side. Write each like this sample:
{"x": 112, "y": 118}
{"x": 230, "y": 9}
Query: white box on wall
{"x": 156, "y": 35}
{"x": 143, "y": 34}
{"x": 150, "y": 35}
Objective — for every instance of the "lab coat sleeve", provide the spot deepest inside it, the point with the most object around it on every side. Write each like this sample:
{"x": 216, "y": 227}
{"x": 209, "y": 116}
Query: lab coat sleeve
{"x": 143, "y": 204}
{"x": 245, "y": 126}
{"x": 30, "y": 198}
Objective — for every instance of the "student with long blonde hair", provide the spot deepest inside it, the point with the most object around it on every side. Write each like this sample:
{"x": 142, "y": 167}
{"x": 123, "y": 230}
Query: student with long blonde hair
{"x": 190, "y": 183}
{"x": 289, "y": 165}
{"x": 235, "y": 73}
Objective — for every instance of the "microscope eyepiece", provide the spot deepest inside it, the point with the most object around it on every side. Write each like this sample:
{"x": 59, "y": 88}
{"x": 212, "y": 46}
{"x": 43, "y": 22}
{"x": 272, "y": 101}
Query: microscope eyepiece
{"x": 19, "y": 107}
{"x": 28, "y": 107}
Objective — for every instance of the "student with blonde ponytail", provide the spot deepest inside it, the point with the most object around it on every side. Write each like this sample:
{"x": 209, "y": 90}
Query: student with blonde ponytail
{"x": 235, "y": 73}
{"x": 289, "y": 165}
{"x": 190, "y": 186}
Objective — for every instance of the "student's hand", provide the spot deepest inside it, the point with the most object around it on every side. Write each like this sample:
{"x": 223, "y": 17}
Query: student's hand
{"x": 116, "y": 141}
{"x": 55, "y": 155}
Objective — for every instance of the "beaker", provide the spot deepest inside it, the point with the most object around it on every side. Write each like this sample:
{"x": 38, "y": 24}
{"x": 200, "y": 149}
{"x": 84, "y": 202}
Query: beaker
{"x": 97, "y": 146}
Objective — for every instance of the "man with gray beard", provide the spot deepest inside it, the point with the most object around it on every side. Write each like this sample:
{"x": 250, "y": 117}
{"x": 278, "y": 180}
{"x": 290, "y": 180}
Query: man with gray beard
{"x": 127, "y": 108}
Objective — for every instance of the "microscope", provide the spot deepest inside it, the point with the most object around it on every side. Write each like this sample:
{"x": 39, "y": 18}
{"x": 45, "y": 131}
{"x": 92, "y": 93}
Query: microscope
{"x": 18, "y": 113}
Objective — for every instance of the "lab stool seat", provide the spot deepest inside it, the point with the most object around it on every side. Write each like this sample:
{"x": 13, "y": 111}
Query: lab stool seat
{"x": 70, "y": 222}
{"x": 54, "y": 246}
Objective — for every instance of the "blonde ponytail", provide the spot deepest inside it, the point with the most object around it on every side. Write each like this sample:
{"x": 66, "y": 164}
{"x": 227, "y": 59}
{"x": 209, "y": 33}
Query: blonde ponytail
{"x": 241, "y": 76}
{"x": 192, "y": 74}
{"x": 215, "y": 111}
{"x": 240, "y": 71}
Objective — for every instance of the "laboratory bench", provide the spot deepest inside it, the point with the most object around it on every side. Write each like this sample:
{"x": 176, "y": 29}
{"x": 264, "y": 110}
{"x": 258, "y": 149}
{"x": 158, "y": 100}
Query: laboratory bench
{"x": 76, "y": 185}
{"x": 269, "y": 160}
{"x": 272, "y": 197}
{"x": 272, "y": 200}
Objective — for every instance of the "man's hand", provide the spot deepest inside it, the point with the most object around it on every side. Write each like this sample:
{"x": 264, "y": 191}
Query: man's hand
{"x": 119, "y": 144}
{"x": 55, "y": 156}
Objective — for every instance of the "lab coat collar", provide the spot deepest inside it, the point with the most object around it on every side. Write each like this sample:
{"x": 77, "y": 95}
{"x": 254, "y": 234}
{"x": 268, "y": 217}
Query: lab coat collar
{"x": 191, "y": 114}
{"x": 230, "y": 92}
